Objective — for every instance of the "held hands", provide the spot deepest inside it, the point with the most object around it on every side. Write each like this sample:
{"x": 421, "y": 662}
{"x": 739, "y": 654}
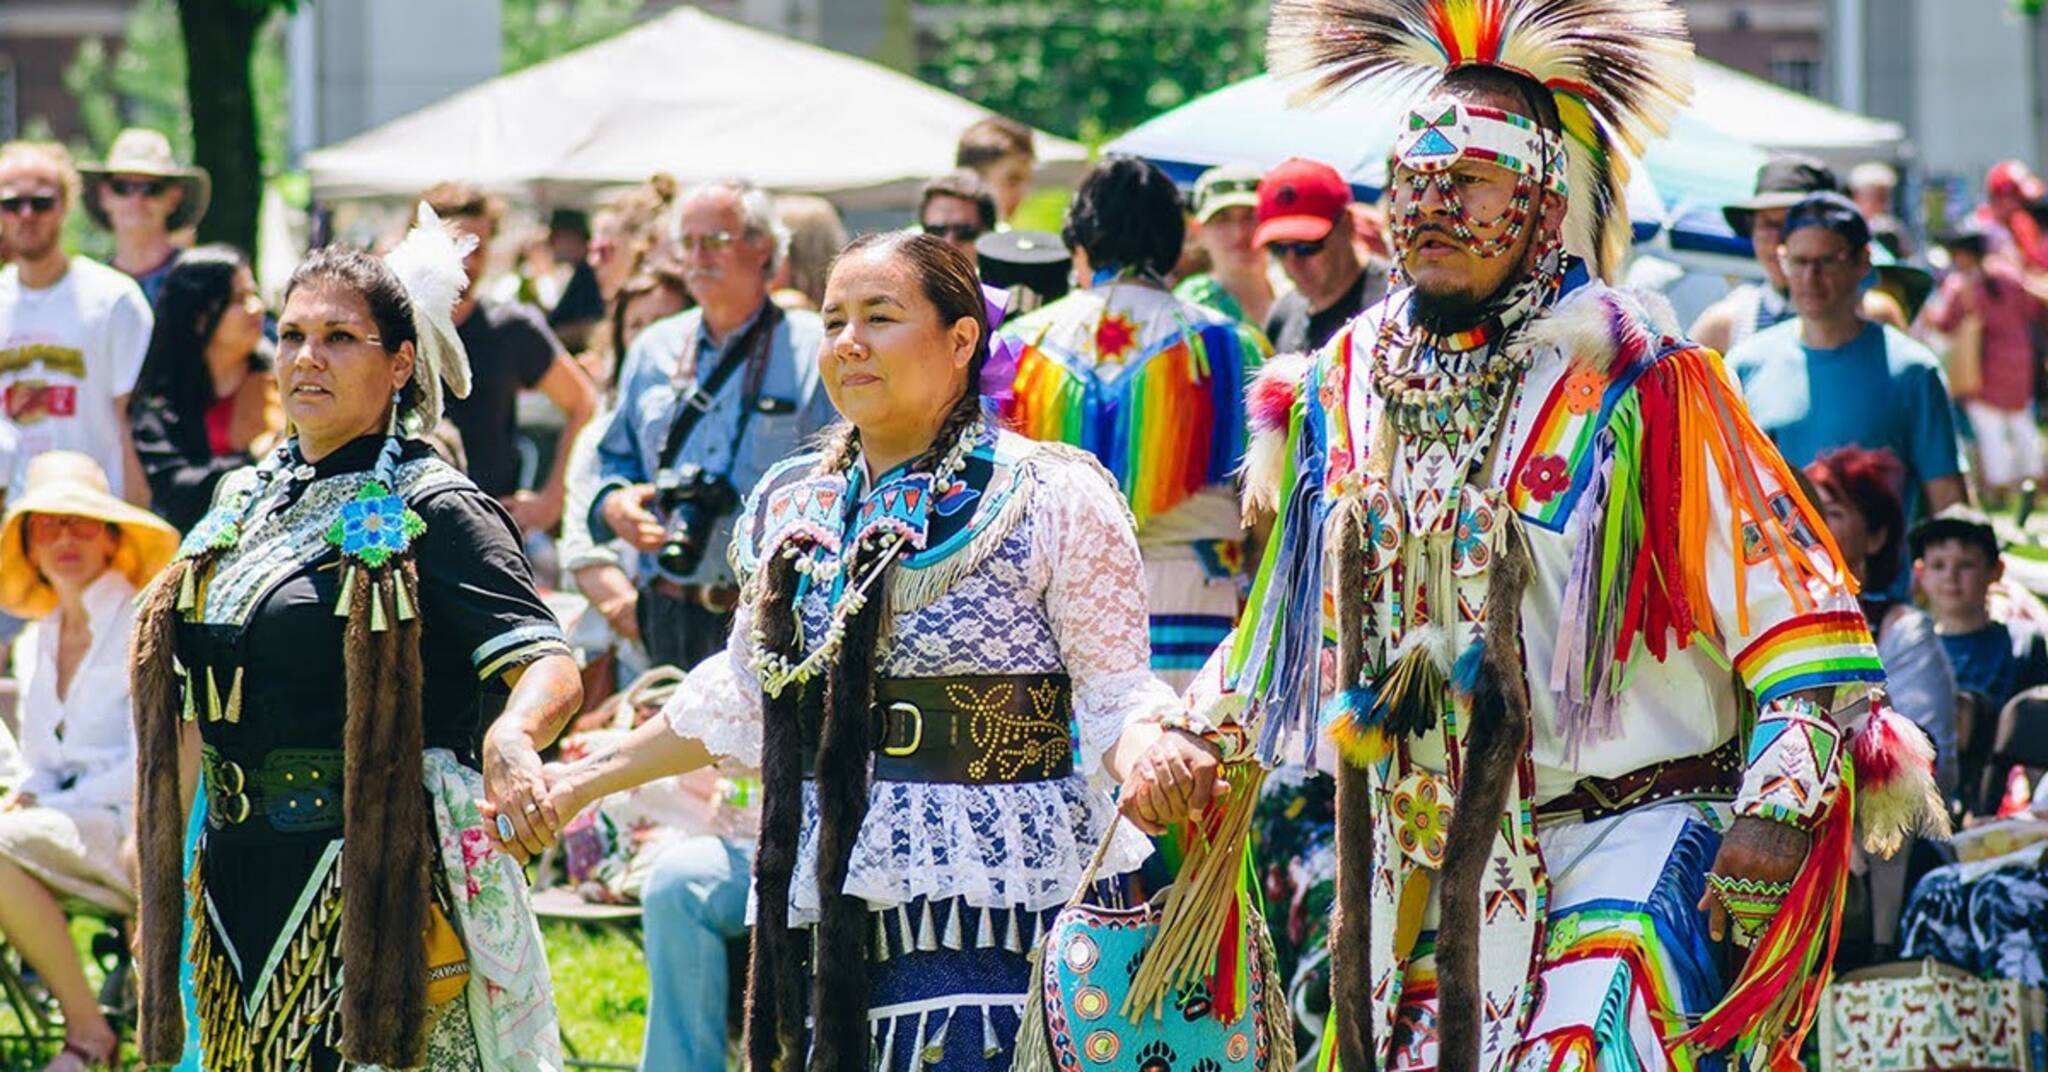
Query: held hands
{"x": 1172, "y": 781}
{"x": 520, "y": 809}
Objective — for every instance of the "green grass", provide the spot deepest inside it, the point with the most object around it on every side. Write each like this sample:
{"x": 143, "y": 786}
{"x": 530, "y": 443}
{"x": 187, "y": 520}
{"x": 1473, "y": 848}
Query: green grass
{"x": 600, "y": 983}
{"x": 600, "y": 989}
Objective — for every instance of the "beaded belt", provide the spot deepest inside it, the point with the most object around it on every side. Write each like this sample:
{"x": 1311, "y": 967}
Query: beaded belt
{"x": 973, "y": 729}
{"x": 294, "y": 790}
{"x": 1714, "y": 776}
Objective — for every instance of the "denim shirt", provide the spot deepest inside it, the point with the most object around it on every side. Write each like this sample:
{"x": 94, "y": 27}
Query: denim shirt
{"x": 630, "y": 452}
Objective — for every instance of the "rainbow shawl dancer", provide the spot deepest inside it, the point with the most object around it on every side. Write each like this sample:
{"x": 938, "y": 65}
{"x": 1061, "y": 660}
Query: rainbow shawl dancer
{"x": 1153, "y": 387}
{"x": 1583, "y": 617}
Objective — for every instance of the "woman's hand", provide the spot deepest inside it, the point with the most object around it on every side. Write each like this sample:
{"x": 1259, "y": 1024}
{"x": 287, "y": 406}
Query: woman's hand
{"x": 516, "y": 795}
{"x": 17, "y": 800}
{"x": 546, "y": 693}
{"x": 1173, "y": 780}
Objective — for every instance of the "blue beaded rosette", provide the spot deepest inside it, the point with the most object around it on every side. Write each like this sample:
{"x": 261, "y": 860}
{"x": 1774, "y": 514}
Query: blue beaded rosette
{"x": 374, "y": 526}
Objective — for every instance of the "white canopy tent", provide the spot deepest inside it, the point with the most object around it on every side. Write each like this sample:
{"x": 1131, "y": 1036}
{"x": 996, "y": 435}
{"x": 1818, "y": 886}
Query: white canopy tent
{"x": 687, "y": 93}
{"x": 1777, "y": 120}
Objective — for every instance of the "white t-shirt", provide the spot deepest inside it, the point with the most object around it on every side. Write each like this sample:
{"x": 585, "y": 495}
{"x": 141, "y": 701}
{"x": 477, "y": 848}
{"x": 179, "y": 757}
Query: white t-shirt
{"x": 66, "y": 353}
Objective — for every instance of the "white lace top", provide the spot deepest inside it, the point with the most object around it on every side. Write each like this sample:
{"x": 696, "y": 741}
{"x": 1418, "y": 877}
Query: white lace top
{"x": 1061, "y": 591}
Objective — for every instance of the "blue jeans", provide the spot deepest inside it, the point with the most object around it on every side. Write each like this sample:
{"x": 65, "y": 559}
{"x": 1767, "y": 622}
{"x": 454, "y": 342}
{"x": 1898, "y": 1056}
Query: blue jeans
{"x": 694, "y": 901}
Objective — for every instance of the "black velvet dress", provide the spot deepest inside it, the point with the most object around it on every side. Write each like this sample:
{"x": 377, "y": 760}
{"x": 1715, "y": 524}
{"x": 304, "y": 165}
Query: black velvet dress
{"x": 264, "y": 679}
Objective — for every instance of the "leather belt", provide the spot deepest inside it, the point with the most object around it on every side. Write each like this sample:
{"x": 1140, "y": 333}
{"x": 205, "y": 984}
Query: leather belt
{"x": 294, "y": 790}
{"x": 1717, "y": 775}
{"x": 718, "y": 599}
{"x": 969, "y": 729}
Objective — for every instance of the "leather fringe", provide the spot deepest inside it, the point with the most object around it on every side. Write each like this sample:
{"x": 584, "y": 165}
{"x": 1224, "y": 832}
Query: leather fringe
{"x": 384, "y": 859}
{"x": 159, "y": 817}
{"x": 1496, "y": 738}
{"x": 1351, "y": 929}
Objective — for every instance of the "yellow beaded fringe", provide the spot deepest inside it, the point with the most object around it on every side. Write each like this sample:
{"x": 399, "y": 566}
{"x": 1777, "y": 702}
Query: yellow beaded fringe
{"x": 298, "y": 1006}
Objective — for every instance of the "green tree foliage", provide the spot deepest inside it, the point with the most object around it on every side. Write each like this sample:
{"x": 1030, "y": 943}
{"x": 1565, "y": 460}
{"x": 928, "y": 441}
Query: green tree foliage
{"x": 539, "y": 30}
{"x": 142, "y": 79}
{"x": 1086, "y": 68}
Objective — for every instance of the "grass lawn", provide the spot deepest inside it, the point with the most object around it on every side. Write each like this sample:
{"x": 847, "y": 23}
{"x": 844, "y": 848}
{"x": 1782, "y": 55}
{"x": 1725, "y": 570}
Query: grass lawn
{"x": 600, "y": 989}
{"x": 600, "y": 992}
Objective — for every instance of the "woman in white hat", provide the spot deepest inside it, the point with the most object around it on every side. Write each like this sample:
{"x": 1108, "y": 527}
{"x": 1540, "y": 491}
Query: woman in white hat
{"x": 144, "y": 197}
{"x": 72, "y": 557}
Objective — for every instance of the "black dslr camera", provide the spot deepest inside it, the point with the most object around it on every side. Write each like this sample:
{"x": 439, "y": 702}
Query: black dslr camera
{"x": 689, "y": 502}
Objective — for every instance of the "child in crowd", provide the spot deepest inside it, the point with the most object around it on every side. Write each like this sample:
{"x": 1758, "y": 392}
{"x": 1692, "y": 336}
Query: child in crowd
{"x": 1956, "y": 561}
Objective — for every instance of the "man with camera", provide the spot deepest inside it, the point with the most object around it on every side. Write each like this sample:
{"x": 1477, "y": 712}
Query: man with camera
{"x": 708, "y": 399}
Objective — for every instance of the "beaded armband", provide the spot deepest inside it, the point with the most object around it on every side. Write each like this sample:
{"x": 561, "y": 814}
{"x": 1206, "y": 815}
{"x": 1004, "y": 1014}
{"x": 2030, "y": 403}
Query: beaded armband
{"x": 1794, "y": 764}
{"x": 1230, "y": 739}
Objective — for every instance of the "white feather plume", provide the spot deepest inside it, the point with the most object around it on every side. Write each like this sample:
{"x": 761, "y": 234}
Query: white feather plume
{"x": 428, "y": 264}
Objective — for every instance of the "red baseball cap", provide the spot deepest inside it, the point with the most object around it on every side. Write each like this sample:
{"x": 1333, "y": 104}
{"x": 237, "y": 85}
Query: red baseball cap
{"x": 1299, "y": 201}
{"x": 2012, "y": 177}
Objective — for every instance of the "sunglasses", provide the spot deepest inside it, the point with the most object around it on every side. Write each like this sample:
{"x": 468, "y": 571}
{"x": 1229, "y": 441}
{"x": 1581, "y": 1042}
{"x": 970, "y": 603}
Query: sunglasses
{"x": 50, "y": 526}
{"x": 958, "y": 232}
{"x": 28, "y": 204}
{"x": 133, "y": 187}
{"x": 715, "y": 242}
{"x": 1297, "y": 249}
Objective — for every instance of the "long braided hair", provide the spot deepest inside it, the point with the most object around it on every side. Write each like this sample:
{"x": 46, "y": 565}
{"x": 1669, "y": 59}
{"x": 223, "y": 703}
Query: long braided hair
{"x": 840, "y": 731}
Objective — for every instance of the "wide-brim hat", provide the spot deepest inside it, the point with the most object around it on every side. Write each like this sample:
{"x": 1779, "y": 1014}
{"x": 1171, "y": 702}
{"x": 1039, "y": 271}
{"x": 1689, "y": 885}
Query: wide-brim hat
{"x": 1781, "y": 183}
{"x": 1911, "y": 284}
{"x": 66, "y": 482}
{"x": 145, "y": 152}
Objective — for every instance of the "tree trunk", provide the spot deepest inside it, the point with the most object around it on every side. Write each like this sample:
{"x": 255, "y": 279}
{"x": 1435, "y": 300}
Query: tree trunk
{"x": 220, "y": 39}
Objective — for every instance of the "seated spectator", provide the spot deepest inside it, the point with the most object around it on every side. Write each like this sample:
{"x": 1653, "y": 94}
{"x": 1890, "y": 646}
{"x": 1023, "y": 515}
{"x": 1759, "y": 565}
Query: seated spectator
{"x": 205, "y": 403}
{"x": 72, "y": 558}
{"x": 683, "y": 847}
{"x": 1955, "y": 562}
{"x": 1858, "y": 493}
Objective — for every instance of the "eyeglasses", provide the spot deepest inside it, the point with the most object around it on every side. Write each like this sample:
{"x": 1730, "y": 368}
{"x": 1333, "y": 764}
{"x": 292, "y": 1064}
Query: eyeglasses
{"x": 1298, "y": 249}
{"x": 1802, "y": 265}
{"x": 957, "y": 232}
{"x": 715, "y": 242}
{"x": 28, "y": 204}
{"x": 50, "y": 526}
{"x": 133, "y": 187}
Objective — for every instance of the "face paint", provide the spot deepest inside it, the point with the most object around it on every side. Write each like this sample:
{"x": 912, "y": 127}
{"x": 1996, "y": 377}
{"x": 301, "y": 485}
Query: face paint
{"x": 1445, "y": 131}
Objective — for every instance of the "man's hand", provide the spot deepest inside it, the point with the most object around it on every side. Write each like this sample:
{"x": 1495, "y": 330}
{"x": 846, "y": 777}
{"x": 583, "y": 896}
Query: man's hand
{"x": 1172, "y": 782}
{"x": 629, "y": 511}
{"x": 516, "y": 789}
{"x": 534, "y": 511}
{"x": 1760, "y": 850}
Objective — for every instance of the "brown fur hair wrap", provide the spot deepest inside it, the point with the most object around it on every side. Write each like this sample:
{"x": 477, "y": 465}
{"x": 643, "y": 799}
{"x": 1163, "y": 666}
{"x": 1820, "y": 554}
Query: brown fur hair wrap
{"x": 1496, "y": 739}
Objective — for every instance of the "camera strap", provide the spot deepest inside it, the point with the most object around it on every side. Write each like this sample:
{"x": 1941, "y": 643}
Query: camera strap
{"x": 695, "y": 398}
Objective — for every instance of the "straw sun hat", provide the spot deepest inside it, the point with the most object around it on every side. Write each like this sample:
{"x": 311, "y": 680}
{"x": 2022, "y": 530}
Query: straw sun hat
{"x": 65, "y": 482}
{"x": 145, "y": 152}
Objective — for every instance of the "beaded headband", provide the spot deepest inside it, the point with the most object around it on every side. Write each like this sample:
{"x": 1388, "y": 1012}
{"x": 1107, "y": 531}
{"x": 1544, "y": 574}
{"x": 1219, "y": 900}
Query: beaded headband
{"x": 1444, "y": 130}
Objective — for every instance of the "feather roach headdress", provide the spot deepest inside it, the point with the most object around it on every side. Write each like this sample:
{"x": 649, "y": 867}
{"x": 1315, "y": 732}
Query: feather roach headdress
{"x": 1617, "y": 69}
{"x": 429, "y": 265}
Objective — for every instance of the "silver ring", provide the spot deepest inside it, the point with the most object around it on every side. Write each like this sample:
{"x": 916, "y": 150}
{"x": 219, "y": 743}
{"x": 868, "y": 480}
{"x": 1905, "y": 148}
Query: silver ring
{"x": 505, "y": 829}
{"x": 532, "y": 808}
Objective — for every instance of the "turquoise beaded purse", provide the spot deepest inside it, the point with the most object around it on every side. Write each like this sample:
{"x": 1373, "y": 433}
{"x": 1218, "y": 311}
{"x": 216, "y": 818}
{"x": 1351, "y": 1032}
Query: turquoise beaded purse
{"x": 1082, "y": 973}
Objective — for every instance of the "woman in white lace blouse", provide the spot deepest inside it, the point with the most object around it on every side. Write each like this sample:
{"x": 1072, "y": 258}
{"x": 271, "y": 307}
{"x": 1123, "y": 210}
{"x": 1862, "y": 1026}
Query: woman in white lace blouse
{"x": 940, "y": 671}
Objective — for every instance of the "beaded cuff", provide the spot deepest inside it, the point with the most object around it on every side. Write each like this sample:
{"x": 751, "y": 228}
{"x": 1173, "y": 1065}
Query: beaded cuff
{"x": 1794, "y": 764}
